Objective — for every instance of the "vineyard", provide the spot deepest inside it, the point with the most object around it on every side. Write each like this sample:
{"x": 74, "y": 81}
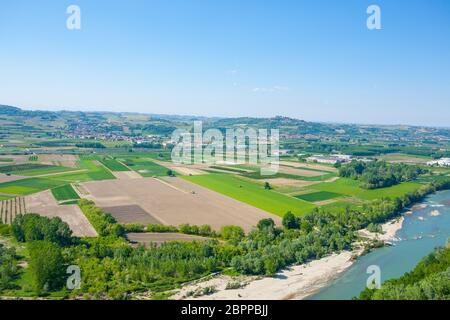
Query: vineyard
{"x": 10, "y": 208}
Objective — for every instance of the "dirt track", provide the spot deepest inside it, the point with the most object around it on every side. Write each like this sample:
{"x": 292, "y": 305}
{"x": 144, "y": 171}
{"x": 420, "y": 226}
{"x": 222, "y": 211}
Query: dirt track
{"x": 175, "y": 201}
{"x": 159, "y": 238}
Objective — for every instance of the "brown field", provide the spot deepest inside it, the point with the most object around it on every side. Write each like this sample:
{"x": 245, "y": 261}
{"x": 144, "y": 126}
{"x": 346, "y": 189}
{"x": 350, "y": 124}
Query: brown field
{"x": 10, "y": 208}
{"x": 299, "y": 172}
{"x": 174, "y": 201}
{"x": 44, "y": 204}
{"x": 126, "y": 174}
{"x": 308, "y": 165}
{"x": 183, "y": 169}
{"x": 159, "y": 238}
{"x": 65, "y": 160}
{"x": 5, "y": 178}
{"x": 17, "y": 159}
{"x": 131, "y": 214}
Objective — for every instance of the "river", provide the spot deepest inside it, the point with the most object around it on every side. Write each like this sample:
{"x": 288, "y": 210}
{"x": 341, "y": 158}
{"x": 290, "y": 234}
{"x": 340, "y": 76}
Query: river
{"x": 422, "y": 231}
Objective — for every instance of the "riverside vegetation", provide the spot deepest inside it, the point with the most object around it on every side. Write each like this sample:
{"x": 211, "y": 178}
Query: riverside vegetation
{"x": 111, "y": 268}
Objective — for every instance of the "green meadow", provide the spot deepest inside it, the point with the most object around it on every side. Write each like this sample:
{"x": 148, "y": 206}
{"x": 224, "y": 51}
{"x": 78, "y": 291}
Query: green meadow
{"x": 251, "y": 193}
{"x": 349, "y": 187}
{"x": 113, "y": 164}
{"x": 145, "y": 168}
{"x": 65, "y": 192}
{"x": 318, "y": 196}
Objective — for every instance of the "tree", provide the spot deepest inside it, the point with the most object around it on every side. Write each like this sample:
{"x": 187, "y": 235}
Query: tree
{"x": 46, "y": 266}
{"x": 266, "y": 224}
{"x": 290, "y": 221}
{"x": 170, "y": 173}
{"x": 267, "y": 186}
{"x": 232, "y": 233}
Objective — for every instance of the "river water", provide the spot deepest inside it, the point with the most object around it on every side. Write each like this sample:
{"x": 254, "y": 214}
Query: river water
{"x": 422, "y": 231}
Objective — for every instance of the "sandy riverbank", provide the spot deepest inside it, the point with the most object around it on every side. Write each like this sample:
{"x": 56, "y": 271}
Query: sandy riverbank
{"x": 389, "y": 228}
{"x": 294, "y": 283}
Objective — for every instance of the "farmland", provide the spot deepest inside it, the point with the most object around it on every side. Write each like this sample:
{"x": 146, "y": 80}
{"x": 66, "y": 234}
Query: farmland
{"x": 32, "y": 169}
{"x": 251, "y": 193}
{"x": 64, "y": 193}
{"x": 145, "y": 167}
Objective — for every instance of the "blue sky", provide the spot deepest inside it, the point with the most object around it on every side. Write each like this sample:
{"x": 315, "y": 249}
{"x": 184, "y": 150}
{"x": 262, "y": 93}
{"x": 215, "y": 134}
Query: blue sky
{"x": 313, "y": 60}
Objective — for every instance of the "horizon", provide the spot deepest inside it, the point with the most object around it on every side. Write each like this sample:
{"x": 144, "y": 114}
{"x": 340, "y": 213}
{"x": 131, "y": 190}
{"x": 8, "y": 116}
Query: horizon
{"x": 314, "y": 61}
{"x": 74, "y": 109}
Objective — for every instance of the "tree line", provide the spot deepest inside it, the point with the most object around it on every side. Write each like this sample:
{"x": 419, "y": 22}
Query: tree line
{"x": 380, "y": 174}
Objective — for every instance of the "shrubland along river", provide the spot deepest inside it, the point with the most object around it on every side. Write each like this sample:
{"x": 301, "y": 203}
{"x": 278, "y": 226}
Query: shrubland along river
{"x": 423, "y": 230}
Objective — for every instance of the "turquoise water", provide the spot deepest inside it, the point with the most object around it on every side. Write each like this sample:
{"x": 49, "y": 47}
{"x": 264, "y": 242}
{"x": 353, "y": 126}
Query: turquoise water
{"x": 421, "y": 233}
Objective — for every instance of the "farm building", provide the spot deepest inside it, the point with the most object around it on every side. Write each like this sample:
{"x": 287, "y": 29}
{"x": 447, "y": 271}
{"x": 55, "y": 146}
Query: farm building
{"x": 331, "y": 159}
{"x": 443, "y": 162}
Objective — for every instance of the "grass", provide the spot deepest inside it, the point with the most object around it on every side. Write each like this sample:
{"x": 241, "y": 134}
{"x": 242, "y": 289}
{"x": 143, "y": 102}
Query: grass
{"x": 318, "y": 196}
{"x": 258, "y": 176}
{"x": 351, "y": 188}
{"x": 28, "y": 186}
{"x": 251, "y": 193}
{"x": 113, "y": 164}
{"x": 32, "y": 169}
{"x": 6, "y": 160}
{"x": 94, "y": 171}
{"x": 65, "y": 192}
{"x": 146, "y": 168}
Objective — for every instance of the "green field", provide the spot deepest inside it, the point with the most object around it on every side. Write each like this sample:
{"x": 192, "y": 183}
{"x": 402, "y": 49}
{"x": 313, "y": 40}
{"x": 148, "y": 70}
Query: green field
{"x": 32, "y": 169}
{"x": 251, "y": 193}
{"x": 351, "y": 188}
{"x": 28, "y": 186}
{"x": 318, "y": 196}
{"x": 65, "y": 192}
{"x": 145, "y": 168}
{"x": 93, "y": 171}
{"x": 258, "y": 176}
{"x": 113, "y": 164}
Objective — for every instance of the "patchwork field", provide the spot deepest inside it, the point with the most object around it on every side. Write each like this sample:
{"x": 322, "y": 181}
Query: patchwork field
{"x": 175, "y": 201}
{"x": 113, "y": 164}
{"x": 146, "y": 168}
{"x": 32, "y": 169}
{"x": 45, "y": 205}
{"x": 10, "y": 208}
{"x": 252, "y": 193}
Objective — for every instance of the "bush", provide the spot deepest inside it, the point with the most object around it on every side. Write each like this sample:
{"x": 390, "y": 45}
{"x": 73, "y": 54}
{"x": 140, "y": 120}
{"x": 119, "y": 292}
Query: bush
{"x": 161, "y": 228}
{"x": 203, "y": 230}
{"x": 134, "y": 227}
{"x": 233, "y": 233}
{"x": 5, "y": 230}
{"x": 104, "y": 223}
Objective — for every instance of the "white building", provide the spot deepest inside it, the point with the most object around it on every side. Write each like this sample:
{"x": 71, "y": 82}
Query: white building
{"x": 332, "y": 159}
{"x": 443, "y": 162}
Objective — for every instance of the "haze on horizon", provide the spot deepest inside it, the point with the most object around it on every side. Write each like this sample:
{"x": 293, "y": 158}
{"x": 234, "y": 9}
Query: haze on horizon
{"x": 311, "y": 60}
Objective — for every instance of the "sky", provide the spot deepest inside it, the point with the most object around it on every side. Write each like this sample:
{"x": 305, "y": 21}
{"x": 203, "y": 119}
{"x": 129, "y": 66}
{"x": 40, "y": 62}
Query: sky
{"x": 312, "y": 60}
